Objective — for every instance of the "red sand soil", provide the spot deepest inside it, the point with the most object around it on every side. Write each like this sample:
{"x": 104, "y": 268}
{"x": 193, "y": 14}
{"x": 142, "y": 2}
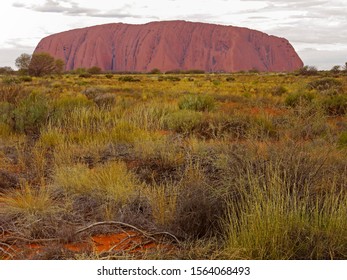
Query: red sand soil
{"x": 125, "y": 241}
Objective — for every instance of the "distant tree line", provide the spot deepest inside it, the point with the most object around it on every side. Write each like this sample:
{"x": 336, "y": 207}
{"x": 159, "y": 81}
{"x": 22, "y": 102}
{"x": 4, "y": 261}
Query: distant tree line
{"x": 40, "y": 64}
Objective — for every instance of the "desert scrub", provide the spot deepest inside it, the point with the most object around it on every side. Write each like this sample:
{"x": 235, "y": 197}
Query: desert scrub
{"x": 183, "y": 121}
{"x": 128, "y": 79}
{"x": 201, "y": 102}
{"x": 335, "y": 105}
{"x": 342, "y": 140}
{"x": 299, "y": 98}
{"x": 27, "y": 201}
{"x": 12, "y": 93}
{"x": 161, "y": 149}
{"x": 163, "y": 202}
{"x": 279, "y": 90}
{"x": 327, "y": 86}
{"x": 199, "y": 209}
{"x": 263, "y": 127}
{"x": 51, "y": 137}
{"x": 31, "y": 113}
{"x": 68, "y": 103}
{"x": 268, "y": 222}
{"x": 219, "y": 125}
{"x": 150, "y": 115}
{"x": 32, "y": 211}
{"x": 111, "y": 181}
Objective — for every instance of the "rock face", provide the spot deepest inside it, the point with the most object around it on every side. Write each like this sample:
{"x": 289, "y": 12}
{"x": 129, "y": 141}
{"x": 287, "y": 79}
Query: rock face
{"x": 171, "y": 45}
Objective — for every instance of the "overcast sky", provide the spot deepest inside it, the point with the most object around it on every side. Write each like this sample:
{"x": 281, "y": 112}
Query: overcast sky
{"x": 316, "y": 28}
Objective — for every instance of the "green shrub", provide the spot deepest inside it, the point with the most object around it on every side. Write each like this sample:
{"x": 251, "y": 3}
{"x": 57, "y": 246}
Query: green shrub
{"x": 11, "y": 93}
{"x": 264, "y": 128}
{"x": 271, "y": 223}
{"x": 128, "y": 79}
{"x": 216, "y": 82}
{"x": 194, "y": 71}
{"x": 197, "y": 103}
{"x": 26, "y": 79}
{"x": 154, "y": 71}
{"x": 184, "y": 121}
{"x": 85, "y": 75}
{"x": 230, "y": 79}
{"x": 279, "y": 91}
{"x": 296, "y": 99}
{"x": 342, "y": 141}
{"x": 219, "y": 125}
{"x": 172, "y": 78}
{"x": 335, "y": 105}
{"x": 10, "y": 80}
{"x": 66, "y": 104}
{"x": 31, "y": 113}
{"x": 308, "y": 71}
{"x": 95, "y": 70}
{"x": 326, "y": 85}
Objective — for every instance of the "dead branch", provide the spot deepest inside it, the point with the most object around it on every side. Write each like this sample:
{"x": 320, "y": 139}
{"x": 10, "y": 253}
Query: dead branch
{"x": 115, "y": 223}
{"x": 6, "y": 251}
{"x": 120, "y": 243}
{"x": 14, "y": 239}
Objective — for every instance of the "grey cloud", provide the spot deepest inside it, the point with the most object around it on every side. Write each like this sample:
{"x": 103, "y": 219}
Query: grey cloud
{"x": 323, "y": 59}
{"x": 18, "y": 5}
{"x": 74, "y": 9}
{"x": 322, "y": 7}
{"x": 113, "y": 14}
{"x": 15, "y": 48}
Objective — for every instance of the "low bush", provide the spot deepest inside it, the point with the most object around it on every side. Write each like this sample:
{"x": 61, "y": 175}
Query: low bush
{"x": 31, "y": 114}
{"x": 197, "y": 103}
{"x": 128, "y": 79}
{"x": 183, "y": 121}
{"x": 299, "y": 98}
{"x": 327, "y": 85}
{"x": 12, "y": 93}
{"x": 342, "y": 140}
{"x": 279, "y": 91}
{"x": 335, "y": 105}
{"x": 85, "y": 75}
{"x": 270, "y": 223}
{"x": 308, "y": 71}
{"x": 111, "y": 181}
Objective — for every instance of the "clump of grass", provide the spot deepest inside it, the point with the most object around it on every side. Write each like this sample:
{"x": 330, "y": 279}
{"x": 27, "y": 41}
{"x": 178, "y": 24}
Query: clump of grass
{"x": 12, "y": 93}
{"x": 160, "y": 149}
{"x": 328, "y": 85}
{"x": 150, "y": 115}
{"x": 51, "y": 137}
{"x": 335, "y": 105}
{"x": 269, "y": 222}
{"x": 183, "y": 121}
{"x": 299, "y": 98}
{"x": 199, "y": 103}
{"x": 163, "y": 202}
{"x": 342, "y": 141}
{"x": 31, "y": 113}
{"x": 128, "y": 79}
{"x": 27, "y": 201}
{"x": 110, "y": 181}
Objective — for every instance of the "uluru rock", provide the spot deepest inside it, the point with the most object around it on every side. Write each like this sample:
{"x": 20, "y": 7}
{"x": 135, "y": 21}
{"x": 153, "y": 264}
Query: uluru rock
{"x": 171, "y": 45}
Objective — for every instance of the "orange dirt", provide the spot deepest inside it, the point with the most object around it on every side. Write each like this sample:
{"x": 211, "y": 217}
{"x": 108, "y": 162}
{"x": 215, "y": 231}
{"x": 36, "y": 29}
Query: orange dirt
{"x": 129, "y": 241}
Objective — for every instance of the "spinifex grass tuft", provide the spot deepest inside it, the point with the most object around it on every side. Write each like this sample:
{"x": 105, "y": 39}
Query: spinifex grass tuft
{"x": 272, "y": 222}
{"x": 109, "y": 181}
